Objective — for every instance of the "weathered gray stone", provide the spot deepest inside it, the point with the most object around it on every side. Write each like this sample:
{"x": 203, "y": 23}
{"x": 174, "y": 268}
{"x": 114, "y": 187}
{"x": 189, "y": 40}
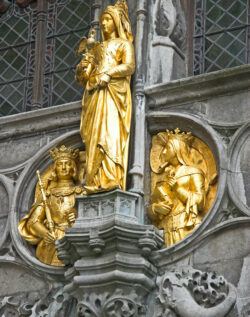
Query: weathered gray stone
{"x": 15, "y": 279}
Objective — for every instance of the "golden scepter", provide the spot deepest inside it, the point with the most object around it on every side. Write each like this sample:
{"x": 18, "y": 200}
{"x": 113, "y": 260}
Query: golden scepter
{"x": 46, "y": 206}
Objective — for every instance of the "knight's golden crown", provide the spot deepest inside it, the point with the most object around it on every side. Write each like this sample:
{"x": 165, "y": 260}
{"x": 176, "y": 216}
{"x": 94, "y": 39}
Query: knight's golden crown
{"x": 178, "y": 135}
{"x": 64, "y": 153}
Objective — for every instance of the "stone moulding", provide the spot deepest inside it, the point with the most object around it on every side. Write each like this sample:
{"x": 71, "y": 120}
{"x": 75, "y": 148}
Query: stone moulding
{"x": 165, "y": 257}
{"x": 233, "y": 166}
{"x": 198, "y": 88}
{"x": 8, "y": 186}
{"x": 38, "y": 121}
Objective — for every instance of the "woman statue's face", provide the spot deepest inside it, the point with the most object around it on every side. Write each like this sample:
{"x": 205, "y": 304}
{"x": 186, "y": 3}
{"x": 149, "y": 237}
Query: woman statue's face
{"x": 107, "y": 24}
{"x": 169, "y": 153}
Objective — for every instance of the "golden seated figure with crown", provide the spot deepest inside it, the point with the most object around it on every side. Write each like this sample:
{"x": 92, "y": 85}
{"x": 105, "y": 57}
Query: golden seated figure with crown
{"x": 53, "y": 209}
{"x": 184, "y": 183}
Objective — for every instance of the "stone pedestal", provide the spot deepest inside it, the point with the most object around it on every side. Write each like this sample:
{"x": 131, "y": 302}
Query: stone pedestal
{"x": 98, "y": 209}
{"x": 107, "y": 253}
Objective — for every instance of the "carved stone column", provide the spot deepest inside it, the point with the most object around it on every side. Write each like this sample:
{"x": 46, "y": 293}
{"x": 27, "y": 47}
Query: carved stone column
{"x": 97, "y": 12}
{"x": 106, "y": 252}
{"x": 137, "y": 170}
{"x": 41, "y": 31}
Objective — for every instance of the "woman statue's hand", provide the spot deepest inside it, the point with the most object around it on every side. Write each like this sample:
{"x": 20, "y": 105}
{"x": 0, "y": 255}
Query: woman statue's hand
{"x": 171, "y": 181}
{"x": 104, "y": 81}
{"x": 87, "y": 59}
{"x": 161, "y": 208}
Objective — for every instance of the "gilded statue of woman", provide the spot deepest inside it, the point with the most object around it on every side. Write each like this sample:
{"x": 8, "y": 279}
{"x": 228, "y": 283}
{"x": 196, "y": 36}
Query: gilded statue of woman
{"x": 182, "y": 184}
{"x": 56, "y": 198}
{"x": 106, "y": 104}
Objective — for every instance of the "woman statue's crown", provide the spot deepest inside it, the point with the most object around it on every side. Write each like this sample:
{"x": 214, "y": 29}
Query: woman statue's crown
{"x": 122, "y": 4}
{"x": 177, "y": 134}
{"x": 64, "y": 153}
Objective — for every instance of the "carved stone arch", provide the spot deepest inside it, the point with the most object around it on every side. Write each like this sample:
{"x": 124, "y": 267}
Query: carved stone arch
{"x": 236, "y": 186}
{"x": 24, "y": 195}
{"x": 159, "y": 122}
{"x": 6, "y": 193}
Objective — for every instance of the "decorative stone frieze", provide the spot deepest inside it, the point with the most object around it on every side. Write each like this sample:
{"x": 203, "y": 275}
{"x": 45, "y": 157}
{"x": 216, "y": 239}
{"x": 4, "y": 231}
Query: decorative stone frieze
{"x": 120, "y": 304}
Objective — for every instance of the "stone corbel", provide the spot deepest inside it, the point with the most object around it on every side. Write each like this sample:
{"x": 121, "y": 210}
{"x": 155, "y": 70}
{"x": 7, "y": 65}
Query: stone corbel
{"x": 147, "y": 243}
{"x": 66, "y": 251}
{"x": 96, "y": 244}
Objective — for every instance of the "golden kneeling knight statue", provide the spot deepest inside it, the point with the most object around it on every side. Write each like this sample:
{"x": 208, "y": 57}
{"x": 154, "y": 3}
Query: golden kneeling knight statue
{"x": 105, "y": 70}
{"x": 53, "y": 210}
{"x": 184, "y": 183}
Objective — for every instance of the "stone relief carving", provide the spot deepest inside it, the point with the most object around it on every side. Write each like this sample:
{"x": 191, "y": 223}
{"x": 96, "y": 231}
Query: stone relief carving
{"x": 113, "y": 203}
{"x": 108, "y": 206}
{"x": 117, "y": 304}
{"x": 170, "y": 22}
{"x": 190, "y": 292}
{"x": 168, "y": 42}
{"x": 165, "y": 18}
{"x": 179, "y": 34}
{"x": 91, "y": 208}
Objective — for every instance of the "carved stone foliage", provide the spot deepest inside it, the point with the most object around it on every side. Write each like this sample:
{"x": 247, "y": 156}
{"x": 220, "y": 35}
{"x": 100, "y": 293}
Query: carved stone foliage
{"x": 117, "y": 304}
{"x": 54, "y": 304}
{"x": 190, "y": 292}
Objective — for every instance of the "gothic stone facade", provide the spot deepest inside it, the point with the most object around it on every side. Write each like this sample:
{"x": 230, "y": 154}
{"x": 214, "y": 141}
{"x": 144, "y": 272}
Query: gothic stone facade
{"x": 116, "y": 263}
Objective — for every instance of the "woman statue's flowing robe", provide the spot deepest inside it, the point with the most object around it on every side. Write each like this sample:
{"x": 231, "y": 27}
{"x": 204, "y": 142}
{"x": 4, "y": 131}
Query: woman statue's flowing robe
{"x": 106, "y": 112}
